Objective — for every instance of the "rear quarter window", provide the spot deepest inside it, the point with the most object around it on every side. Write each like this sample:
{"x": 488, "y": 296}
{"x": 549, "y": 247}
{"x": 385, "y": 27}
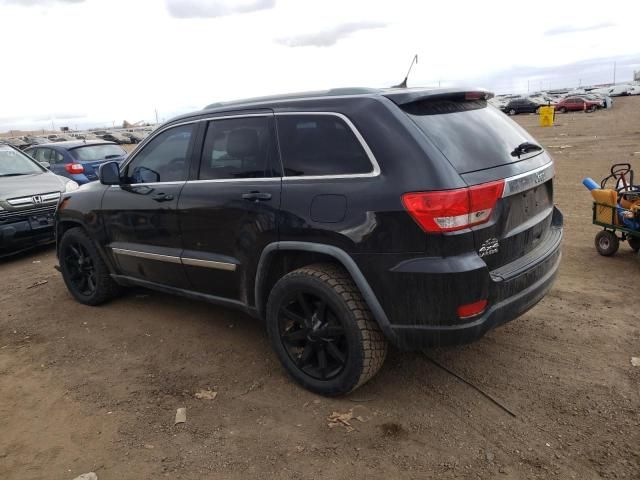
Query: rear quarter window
{"x": 320, "y": 145}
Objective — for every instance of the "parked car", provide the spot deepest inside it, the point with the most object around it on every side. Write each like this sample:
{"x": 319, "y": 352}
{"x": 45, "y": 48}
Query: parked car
{"x": 572, "y": 104}
{"x": 29, "y": 194}
{"x": 634, "y": 90}
{"x": 36, "y": 140}
{"x": 116, "y": 138}
{"x": 16, "y": 142}
{"x": 345, "y": 219}
{"x": 133, "y": 137}
{"x": 521, "y": 105}
{"x": 77, "y": 160}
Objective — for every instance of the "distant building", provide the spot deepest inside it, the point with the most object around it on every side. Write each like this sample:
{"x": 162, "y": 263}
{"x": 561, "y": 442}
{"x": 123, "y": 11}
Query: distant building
{"x": 636, "y": 76}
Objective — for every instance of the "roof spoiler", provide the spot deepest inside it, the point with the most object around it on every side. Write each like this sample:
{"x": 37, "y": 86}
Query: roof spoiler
{"x": 403, "y": 96}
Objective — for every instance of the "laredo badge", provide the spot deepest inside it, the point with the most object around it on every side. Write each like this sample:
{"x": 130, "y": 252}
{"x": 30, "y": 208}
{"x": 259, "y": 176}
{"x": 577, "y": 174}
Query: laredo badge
{"x": 489, "y": 247}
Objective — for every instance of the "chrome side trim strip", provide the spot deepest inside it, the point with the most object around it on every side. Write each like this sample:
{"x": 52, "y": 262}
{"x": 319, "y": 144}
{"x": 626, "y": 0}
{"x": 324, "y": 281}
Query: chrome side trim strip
{"x": 528, "y": 180}
{"x": 150, "y": 256}
{"x": 195, "y": 262}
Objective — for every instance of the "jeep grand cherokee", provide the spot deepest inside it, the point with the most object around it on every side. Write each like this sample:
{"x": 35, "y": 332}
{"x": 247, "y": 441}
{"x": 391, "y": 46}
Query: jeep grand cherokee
{"x": 345, "y": 219}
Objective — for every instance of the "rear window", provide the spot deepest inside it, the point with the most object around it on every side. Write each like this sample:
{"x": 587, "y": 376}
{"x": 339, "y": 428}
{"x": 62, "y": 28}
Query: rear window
{"x": 471, "y": 134}
{"x": 91, "y": 153}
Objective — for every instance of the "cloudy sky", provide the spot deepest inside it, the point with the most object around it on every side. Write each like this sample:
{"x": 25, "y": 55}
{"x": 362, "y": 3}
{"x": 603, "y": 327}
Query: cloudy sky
{"x": 95, "y": 62}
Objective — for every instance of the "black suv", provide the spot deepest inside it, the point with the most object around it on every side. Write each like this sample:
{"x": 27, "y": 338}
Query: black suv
{"x": 346, "y": 219}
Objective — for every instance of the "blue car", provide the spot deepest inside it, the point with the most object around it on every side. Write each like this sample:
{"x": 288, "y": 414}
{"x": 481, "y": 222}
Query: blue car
{"x": 77, "y": 159}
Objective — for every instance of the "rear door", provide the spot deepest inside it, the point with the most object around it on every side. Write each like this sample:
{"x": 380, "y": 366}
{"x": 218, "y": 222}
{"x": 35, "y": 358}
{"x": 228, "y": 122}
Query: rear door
{"x": 140, "y": 216}
{"x": 229, "y": 209}
{"x": 481, "y": 144}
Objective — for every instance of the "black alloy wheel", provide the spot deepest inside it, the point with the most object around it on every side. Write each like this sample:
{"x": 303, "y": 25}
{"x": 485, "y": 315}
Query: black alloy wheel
{"x": 84, "y": 271}
{"x": 322, "y": 330}
{"x": 313, "y": 335}
{"x": 81, "y": 269}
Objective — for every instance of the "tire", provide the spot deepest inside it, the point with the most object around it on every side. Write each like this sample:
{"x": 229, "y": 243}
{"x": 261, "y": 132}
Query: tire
{"x": 607, "y": 243}
{"x": 83, "y": 269}
{"x": 634, "y": 243}
{"x": 353, "y": 345}
{"x": 512, "y": 112}
{"x": 537, "y": 112}
{"x": 563, "y": 110}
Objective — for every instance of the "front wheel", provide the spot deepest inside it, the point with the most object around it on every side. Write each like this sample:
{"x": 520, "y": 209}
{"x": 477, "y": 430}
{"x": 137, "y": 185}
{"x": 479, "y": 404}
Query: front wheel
{"x": 563, "y": 110}
{"x": 83, "y": 269}
{"x": 322, "y": 330}
{"x": 607, "y": 243}
{"x": 512, "y": 112}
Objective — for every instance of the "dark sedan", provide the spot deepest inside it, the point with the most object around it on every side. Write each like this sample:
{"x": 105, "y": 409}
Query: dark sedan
{"x": 521, "y": 105}
{"x": 77, "y": 160}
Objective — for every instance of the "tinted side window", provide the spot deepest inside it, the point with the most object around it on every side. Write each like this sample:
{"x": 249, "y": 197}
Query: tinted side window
{"x": 239, "y": 148}
{"x": 313, "y": 145}
{"x": 163, "y": 159}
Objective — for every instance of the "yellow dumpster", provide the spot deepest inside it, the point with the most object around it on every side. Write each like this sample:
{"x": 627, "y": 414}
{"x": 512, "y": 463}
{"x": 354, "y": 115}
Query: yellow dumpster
{"x": 546, "y": 116}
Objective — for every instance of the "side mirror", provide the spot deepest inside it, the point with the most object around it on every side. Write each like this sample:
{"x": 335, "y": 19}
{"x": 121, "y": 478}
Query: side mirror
{"x": 109, "y": 173}
{"x": 46, "y": 165}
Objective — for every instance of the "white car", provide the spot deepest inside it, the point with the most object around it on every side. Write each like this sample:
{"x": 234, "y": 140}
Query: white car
{"x": 634, "y": 90}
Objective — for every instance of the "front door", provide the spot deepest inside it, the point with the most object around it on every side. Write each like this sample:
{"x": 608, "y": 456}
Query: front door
{"x": 229, "y": 211}
{"x": 140, "y": 216}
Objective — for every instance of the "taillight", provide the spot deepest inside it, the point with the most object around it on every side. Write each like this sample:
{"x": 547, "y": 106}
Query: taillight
{"x": 74, "y": 167}
{"x": 450, "y": 210}
{"x": 472, "y": 309}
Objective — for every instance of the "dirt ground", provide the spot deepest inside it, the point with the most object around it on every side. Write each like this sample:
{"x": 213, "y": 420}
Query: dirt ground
{"x": 96, "y": 389}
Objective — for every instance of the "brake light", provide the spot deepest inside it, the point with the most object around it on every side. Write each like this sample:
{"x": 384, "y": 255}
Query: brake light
{"x": 74, "y": 167}
{"x": 451, "y": 210}
{"x": 472, "y": 309}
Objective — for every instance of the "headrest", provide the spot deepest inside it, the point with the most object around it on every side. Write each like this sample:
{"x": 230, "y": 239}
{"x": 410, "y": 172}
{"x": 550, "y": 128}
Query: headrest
{"x": 243, "y": 142}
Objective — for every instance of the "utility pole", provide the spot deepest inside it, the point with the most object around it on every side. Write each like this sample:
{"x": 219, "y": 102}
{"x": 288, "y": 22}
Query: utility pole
{"x": 614, "y": 73}
{"x": 579, "y": 83}
{"x": 527, "y": 86}
{"x": 157, "y": 114}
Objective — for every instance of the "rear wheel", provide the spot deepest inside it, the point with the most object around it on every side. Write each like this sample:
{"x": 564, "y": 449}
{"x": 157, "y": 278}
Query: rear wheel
{"x": 322, "y": 330}
{"x": 607, "y": 243}
{"x": 83, "y": 270}
{"x": 563, "y": 110}
{"x": 634, "y": 243}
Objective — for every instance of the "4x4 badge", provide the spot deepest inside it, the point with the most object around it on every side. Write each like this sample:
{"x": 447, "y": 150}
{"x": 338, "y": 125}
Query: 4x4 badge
{"x": 489, "y": 247}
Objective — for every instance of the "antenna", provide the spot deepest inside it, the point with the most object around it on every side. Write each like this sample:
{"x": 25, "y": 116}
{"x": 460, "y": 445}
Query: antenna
{"x": 403, "y": 84}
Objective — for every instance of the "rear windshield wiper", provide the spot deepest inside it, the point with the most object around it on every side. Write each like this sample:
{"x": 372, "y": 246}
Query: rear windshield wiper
{"x": 525, "y": 147}
{"x": 12, "y": 174}
{"x": 112, "y": 156}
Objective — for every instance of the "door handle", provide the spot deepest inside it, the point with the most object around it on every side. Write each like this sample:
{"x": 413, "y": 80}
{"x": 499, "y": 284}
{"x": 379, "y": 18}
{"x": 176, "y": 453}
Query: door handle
{"x": 256, "y": 196}
{"x": 163, "y": 197}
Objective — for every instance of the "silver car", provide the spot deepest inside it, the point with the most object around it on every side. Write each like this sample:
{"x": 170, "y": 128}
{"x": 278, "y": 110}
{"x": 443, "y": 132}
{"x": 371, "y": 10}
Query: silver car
{"x": 29, "y": 196}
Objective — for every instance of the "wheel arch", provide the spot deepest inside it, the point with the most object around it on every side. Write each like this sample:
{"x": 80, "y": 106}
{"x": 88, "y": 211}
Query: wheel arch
{"x": 263, "y": 284}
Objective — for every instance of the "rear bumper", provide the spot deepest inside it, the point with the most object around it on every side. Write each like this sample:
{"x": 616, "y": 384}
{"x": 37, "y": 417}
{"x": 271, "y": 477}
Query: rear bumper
{"x": 422, "y": 312}
{"x": 416, "y": 337}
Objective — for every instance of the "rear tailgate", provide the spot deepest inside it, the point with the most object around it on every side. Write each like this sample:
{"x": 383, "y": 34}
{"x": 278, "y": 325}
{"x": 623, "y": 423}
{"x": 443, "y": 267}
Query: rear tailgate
{"x": 484, "y": 145}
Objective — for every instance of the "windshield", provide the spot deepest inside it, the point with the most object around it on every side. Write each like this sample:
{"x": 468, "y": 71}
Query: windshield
{"x": 472, "y": 135}
{"x": 91, "y": 153}
{"x": 14, "y": 163}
